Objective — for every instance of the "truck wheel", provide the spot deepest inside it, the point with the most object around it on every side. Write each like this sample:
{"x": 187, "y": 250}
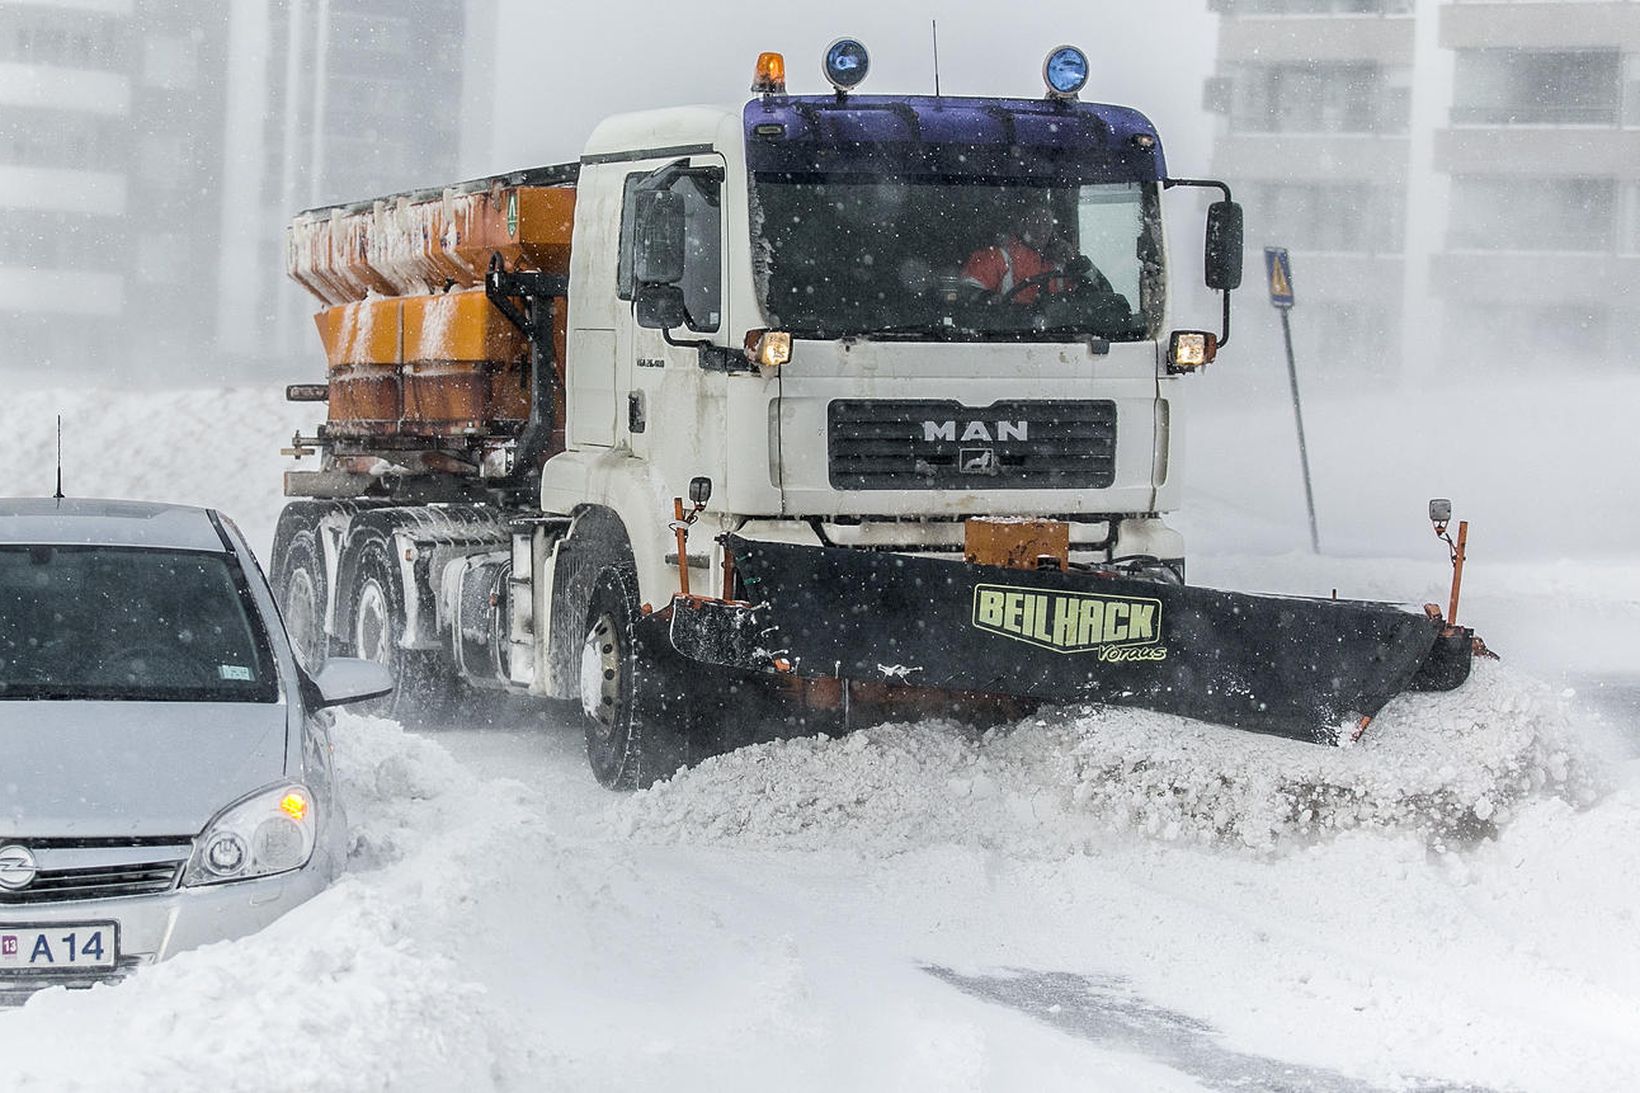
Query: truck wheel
{"x": 423, "y": 684}
{"x": 299, "y": 583}
{"x": 633, "y": 696}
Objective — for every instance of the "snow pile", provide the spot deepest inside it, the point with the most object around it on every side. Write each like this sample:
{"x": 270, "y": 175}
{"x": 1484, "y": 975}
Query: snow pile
{"x": 402, "y": 790}
{"x": 206, "y": 446}
{"x": 1567, "y": 876}
{"x": 1446, "y": 767}
{"x": 332, "y": 997}
{"x": 351, "y": 991}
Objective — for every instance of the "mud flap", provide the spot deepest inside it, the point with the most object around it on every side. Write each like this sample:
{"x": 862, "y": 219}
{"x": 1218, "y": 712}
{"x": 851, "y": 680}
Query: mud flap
{"x": 1296, "y": 667}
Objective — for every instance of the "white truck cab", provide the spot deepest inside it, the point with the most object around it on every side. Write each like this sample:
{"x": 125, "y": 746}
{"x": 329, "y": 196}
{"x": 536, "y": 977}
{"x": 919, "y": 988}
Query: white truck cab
{"x": 842, "y": 322}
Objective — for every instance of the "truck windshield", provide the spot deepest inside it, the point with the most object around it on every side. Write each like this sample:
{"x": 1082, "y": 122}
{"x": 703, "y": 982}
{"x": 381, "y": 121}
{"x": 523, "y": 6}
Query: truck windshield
{"x": 958, "y": 258}
{"x": 129, "y": 624}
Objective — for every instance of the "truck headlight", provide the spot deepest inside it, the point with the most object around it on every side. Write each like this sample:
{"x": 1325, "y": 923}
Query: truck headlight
{"x": 1189, "y": 350}
{"x": 768, "y": 348}
{"x": 271, "y": 831}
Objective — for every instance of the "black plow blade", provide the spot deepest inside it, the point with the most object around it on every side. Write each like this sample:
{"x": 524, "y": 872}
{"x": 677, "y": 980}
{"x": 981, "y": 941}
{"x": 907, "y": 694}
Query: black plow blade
{"x": 1296, "y": 667}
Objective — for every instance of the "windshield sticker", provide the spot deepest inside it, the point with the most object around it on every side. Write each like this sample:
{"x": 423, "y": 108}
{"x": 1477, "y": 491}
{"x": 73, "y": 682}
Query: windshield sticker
{"x": 234, "y": 671}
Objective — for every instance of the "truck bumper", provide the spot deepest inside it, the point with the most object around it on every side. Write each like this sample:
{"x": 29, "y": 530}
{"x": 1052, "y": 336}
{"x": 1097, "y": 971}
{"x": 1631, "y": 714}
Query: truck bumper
{"x": 1295, "y": 667}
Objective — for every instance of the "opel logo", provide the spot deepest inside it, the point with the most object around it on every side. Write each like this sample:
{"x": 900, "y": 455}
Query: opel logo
{"x": 17, "y": 868}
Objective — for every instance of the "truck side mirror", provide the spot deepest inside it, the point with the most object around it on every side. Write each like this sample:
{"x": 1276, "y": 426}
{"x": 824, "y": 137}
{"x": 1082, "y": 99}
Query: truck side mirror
{"x": 658, "y": 238}
{"x": 659, "y": 307}
{"x": 1222, "y": 256}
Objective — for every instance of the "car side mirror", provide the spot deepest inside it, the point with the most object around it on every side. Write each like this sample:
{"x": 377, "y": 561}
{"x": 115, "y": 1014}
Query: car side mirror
{"x": 659, "y": 307}
{"x": 1222, "y": 258}
{"x": 344, "y": 680}
{"x": 658, "y": 238}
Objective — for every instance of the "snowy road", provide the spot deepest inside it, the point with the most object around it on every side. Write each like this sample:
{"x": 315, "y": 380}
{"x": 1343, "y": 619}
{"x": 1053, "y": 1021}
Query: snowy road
{"x": 912, "y": 907}
{"x": 1093, "y": 900}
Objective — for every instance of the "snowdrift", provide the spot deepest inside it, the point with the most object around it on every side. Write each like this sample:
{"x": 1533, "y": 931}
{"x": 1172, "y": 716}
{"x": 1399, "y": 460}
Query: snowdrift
{"x": 1450, "y": 768}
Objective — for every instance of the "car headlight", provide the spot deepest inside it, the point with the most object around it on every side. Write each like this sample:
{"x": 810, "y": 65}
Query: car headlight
{"x": 271, "y": 831}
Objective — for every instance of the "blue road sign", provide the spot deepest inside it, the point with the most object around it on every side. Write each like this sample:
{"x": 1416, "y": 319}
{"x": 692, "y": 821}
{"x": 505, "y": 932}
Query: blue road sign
{"x": 1279, "y": 275}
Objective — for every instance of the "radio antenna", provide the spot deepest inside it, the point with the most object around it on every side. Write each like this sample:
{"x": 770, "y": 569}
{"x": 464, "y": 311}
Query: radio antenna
{"x": 934, "y": 27}
{"x": 59, "y": 494}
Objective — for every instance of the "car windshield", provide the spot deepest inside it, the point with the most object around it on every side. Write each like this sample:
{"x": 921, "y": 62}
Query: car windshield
{"x": 132, "y": 624}
{"x": 958, "y": 258}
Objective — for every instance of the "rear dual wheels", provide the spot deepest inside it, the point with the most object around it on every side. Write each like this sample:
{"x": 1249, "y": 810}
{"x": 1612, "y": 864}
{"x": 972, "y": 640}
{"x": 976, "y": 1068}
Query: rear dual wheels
{"x": 425, "y": 688}
{"x": 634, "y": 690}
{"x": 299, "y": 583}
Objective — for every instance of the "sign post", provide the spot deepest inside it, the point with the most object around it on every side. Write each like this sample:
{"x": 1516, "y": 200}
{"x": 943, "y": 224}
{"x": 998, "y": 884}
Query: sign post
{"x": 1279, "y": 275}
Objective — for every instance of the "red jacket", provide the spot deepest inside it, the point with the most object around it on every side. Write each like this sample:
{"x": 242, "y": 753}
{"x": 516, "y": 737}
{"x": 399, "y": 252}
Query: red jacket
{"x": 998, "y": 269}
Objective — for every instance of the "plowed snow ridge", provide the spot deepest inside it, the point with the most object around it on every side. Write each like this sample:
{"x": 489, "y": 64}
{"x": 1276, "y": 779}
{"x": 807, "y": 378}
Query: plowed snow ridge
{"x": 1448, "y": 767}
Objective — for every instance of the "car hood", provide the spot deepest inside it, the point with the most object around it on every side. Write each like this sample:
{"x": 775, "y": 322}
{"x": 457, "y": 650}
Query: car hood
{"x": 113, "y": 769}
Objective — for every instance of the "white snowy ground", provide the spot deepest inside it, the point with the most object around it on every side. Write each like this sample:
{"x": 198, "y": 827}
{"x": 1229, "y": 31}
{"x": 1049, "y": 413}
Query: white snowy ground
{"x": 1092, "y": 900}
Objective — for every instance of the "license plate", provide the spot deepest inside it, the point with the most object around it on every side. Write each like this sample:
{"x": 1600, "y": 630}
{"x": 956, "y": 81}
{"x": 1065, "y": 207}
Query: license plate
{"x": 49, "y": 948}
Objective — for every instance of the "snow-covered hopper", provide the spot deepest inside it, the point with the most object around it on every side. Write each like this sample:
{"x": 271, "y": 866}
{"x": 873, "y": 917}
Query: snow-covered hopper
{"x": 417, "y": 349}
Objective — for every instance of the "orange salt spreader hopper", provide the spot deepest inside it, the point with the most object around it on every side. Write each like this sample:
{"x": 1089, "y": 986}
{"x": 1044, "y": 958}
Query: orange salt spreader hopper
{"x": 414, "y": 346}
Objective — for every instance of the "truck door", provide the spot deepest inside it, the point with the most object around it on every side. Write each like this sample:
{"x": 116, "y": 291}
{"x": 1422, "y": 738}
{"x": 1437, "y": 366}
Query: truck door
{"x": 651, "y": 359}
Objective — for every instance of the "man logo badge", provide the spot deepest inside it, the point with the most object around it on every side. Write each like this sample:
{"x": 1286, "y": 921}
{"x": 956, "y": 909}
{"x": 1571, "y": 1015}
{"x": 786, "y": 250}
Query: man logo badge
{"x": 977, "y": 461}
{"x": 976, "y": 430}
{"x": 17, "y": 868}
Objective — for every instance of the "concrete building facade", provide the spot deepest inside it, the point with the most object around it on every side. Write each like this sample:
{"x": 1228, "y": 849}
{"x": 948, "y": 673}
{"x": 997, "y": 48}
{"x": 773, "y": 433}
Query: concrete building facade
{"x": 340, "y": 100}
{"x": 66, "y": 161}
{"x": 1457, "y": 179}
{"x": 153, "y": 151}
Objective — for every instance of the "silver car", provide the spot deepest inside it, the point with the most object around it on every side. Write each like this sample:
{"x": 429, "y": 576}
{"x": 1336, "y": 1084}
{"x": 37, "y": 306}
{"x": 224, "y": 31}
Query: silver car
{"x": 165, "y": 776}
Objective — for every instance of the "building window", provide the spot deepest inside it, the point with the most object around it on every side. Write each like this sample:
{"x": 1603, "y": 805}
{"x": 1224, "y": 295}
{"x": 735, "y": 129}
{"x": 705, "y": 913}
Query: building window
{"x": 56, "y": 240}
{"x": 162, "y": 258}
{"x": 1632, "y": 234}
{"x": 1330, "y": 216}
{"x": 1481, "y": 332}
{"x": 1353, "y": 332}
{"x": 1316, "y": 97}
{"x": 59, "y": 138}
{"x": 163, "y": 159}
{"x": 1311, "y": 7}
{"x": 1532, "y": 214}
{"x": 61, "y": 38}
{"x": 170, "y": 62}
{"x": 1537, "y": 87}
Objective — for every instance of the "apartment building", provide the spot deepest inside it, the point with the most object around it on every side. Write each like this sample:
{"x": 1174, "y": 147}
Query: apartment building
{"x": 1456, "y": 178}
{"x": 339, "y": 100}
{"x": 153, "y": 150}
{"x": 1542, "y": 149}
{"x": 66, "y": 160}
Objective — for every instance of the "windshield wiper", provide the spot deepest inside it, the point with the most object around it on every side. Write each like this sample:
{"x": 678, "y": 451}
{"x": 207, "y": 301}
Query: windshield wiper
{"x": 914, "y": 330}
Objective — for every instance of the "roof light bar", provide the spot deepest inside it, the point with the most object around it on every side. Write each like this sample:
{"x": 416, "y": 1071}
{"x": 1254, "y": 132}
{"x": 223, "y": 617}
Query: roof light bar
{"x": 846, "y": 64}
{"x": 1065, "y": 71}
{"x": 770, "y": 78}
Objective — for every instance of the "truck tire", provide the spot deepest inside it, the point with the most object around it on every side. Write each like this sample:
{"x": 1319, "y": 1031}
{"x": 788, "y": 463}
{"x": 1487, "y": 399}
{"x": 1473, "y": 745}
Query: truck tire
{"x": 424, "y": 683}
{"x": 633, "y": 693}
{"x": 300, "y": 585}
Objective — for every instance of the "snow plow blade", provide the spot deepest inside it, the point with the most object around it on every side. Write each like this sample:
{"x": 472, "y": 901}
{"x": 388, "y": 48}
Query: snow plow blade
{"x": 1296, "y": 667}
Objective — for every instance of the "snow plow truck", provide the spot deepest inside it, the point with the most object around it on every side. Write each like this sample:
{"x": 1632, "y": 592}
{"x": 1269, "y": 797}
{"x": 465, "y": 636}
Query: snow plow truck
{"x": 779, "y": 411}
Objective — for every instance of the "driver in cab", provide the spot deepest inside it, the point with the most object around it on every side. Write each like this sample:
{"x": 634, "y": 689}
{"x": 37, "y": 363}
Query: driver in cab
{"x": 1013, "y": 270}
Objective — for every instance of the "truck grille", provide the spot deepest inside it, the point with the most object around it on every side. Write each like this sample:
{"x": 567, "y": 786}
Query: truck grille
{"x": 899, "y": 444}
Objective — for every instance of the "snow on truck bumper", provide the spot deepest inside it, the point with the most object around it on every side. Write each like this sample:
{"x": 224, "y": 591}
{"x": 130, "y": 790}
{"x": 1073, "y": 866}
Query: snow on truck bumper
{"x": 1302, "y": 668}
